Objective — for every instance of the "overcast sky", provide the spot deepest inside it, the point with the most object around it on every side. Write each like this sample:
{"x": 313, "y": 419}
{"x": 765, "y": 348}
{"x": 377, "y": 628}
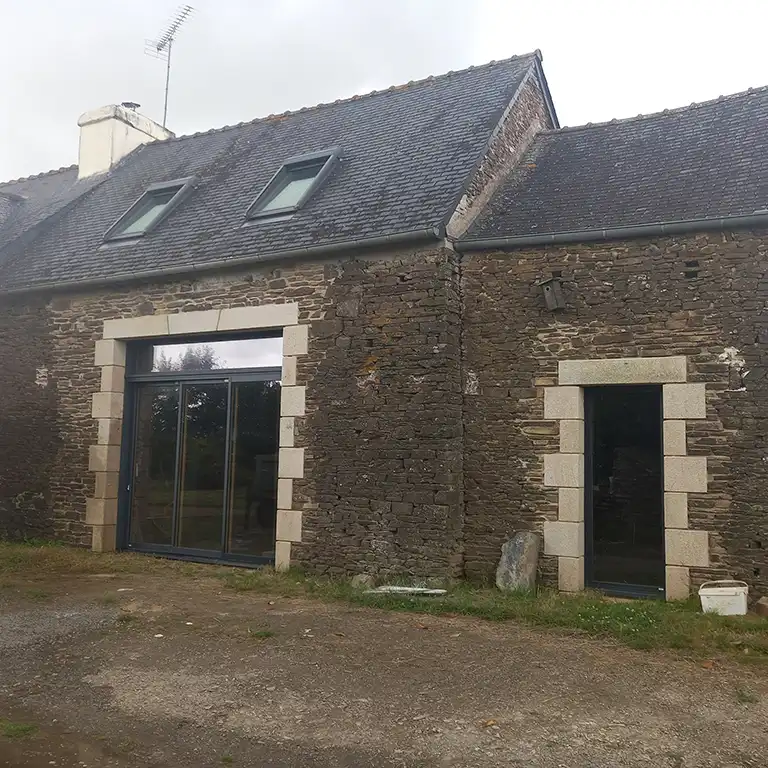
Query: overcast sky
{"x": 239, "y": 59}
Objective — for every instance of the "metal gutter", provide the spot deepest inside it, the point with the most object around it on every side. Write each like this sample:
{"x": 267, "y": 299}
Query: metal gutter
{"x": 415, "y": 236}
{"x": 757, "y": 219}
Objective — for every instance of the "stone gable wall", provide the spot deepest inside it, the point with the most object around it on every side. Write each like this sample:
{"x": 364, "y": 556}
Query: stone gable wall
{"x": 701, "y": 296}
{"x": 382, "y": 484}
{"x": 525, "y": 117}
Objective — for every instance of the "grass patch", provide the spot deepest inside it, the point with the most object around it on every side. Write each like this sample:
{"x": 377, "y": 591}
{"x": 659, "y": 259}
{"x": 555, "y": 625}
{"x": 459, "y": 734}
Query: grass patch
{"x": 227, "y": 759}
{"x": 642, "y": 624}
{"x": 37, "y": 594}
{"x": 13, "y": 730}
{"x": 289, "y": 584}
{"x": 33, "y": 541}
{"x": 745, "y": 696}
{"x": 108, "y": 599}
{"x": 260, "y": 634}
{"x": 37, "y": 558}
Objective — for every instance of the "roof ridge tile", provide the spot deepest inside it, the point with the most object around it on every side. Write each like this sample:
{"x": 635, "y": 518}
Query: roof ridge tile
{"x": 674, "y": 111}
{"x": 311, "y": 108}
{"x": 39, "y": 175}
{"x": 358, "y": 96}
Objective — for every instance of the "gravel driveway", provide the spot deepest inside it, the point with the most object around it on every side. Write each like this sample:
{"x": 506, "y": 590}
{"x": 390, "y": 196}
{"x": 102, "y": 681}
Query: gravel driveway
{"x": 134, "y": 670}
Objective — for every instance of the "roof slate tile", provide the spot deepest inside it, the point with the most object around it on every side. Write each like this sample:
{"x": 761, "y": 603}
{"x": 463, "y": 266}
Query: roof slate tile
{"x": 706, "y": 160}
{"x": 406, "y": 154}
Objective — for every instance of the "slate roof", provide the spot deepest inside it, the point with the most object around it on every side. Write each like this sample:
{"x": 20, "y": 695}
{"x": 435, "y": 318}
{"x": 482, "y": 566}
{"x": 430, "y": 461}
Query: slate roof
{"x": 406, "y": 155}
{"x": 706, "y": 160}
{"x": 24, "y": 203}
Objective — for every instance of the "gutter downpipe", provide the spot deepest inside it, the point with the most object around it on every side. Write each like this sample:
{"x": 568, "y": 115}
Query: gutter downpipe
{"x": 616, "y": 233}
{"x": 415, "y": 236}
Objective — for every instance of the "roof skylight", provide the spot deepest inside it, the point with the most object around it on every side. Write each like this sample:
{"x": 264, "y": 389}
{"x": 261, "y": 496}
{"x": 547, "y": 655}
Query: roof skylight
{"x": 293, "y": 184}
{"x": 147, "y": 212}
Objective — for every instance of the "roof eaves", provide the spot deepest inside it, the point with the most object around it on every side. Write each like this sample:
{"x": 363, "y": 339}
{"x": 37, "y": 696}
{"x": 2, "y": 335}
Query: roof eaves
{"x": 433, "y": 234}
{"x": 722, "y": 223}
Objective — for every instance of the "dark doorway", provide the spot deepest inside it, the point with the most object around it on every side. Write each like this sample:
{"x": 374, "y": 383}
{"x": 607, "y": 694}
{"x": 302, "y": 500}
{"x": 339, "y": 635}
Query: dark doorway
{"x": 201, "y": 444}
{"x": 624, "y": 500}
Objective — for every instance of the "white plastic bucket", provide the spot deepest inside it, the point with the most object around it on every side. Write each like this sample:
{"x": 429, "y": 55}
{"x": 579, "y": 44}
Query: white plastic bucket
{"x": 728, "y": 598}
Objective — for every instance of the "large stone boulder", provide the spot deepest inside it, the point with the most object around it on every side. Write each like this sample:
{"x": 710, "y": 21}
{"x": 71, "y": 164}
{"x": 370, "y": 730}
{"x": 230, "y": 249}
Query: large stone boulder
{"x": 362, "y": 581}
{"x": 519, "y": 560}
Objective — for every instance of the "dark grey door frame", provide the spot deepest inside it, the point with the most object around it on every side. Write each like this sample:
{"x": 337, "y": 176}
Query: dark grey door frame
{"x": 133, "y": 385}
{"x": 610, "y": 588}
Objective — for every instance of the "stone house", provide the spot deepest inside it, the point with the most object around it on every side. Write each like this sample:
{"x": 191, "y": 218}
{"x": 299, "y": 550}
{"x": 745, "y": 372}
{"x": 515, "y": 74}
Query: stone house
{"x": 383, "y": 334}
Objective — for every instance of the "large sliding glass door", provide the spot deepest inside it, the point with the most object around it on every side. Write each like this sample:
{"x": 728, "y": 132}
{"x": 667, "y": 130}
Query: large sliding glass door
{"x": 201, "y": 480}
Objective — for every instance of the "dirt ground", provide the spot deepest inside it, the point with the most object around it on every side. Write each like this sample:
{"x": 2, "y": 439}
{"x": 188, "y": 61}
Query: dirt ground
{"x": 136, "y": 670}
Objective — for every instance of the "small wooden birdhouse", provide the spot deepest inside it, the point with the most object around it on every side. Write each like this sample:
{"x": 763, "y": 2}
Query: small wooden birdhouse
{"x": 553, "y": 293}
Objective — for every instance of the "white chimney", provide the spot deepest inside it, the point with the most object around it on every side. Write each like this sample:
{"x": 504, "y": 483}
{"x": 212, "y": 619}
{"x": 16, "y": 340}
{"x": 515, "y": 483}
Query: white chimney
{"x": 108, "y": 134}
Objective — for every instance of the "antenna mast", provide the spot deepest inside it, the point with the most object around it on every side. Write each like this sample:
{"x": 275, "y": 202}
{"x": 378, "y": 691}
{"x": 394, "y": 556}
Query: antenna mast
{"x": 162, "y": 47}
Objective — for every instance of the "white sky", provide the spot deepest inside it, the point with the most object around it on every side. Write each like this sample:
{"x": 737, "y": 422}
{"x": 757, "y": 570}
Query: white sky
{"x": 240, "y": 59}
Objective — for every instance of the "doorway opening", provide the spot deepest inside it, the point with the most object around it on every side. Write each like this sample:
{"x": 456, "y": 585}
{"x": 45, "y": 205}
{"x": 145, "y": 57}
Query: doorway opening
{"x": 624, "y": 498}
{"x": 200, "y": 448}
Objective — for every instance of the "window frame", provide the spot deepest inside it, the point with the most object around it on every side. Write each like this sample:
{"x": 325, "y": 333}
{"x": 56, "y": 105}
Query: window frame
{"x": 184, "y": 188}
{"x": 138, "y": 346}
{"x": 330, "y": 155}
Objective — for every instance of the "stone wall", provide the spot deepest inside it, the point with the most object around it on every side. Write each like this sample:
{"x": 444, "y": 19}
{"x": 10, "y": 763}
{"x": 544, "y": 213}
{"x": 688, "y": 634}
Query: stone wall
{"x": 385, "y": 421}
{"x": 382, "y": 485}
{"x": 701, "y": 296}
{"x": 424, "y": 437}
{"x": 29, "y": 424}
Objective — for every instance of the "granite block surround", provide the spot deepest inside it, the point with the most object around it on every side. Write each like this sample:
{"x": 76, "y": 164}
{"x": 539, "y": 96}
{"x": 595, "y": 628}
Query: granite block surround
{"x": 107, "y": 407}
{"x": 685, "y": 548}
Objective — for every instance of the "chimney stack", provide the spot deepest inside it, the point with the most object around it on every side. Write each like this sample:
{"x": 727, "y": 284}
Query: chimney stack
{"x": 109, "y": 133}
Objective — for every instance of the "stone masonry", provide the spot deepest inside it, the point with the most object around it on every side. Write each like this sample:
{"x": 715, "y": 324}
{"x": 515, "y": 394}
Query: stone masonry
{"x": 382, "y": 482}
{"x": 385, "y": 442}
{"x": 700, "y": 297}
{"x": 29, "y": 423}
{"x": 526, "y": 116}
{"x": 425, "y": 430}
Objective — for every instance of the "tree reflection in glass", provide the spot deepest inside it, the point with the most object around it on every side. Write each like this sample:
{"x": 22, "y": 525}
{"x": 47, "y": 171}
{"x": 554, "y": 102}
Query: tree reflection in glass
{"x": 154, "y": 464}
{"x": 203, "y": 448}
{"x": 181, "y": 489}
{"x": 217, "y": 355}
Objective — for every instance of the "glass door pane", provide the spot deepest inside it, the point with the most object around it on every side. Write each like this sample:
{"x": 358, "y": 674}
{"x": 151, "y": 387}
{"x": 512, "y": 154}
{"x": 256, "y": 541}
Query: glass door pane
{"x": 154, "y": 464}
{"x": 202, "y": 465}
{"x": 253, "y": 468}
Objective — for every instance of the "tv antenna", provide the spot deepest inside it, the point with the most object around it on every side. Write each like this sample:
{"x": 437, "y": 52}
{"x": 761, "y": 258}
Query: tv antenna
{"x": 161, "y": 48}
